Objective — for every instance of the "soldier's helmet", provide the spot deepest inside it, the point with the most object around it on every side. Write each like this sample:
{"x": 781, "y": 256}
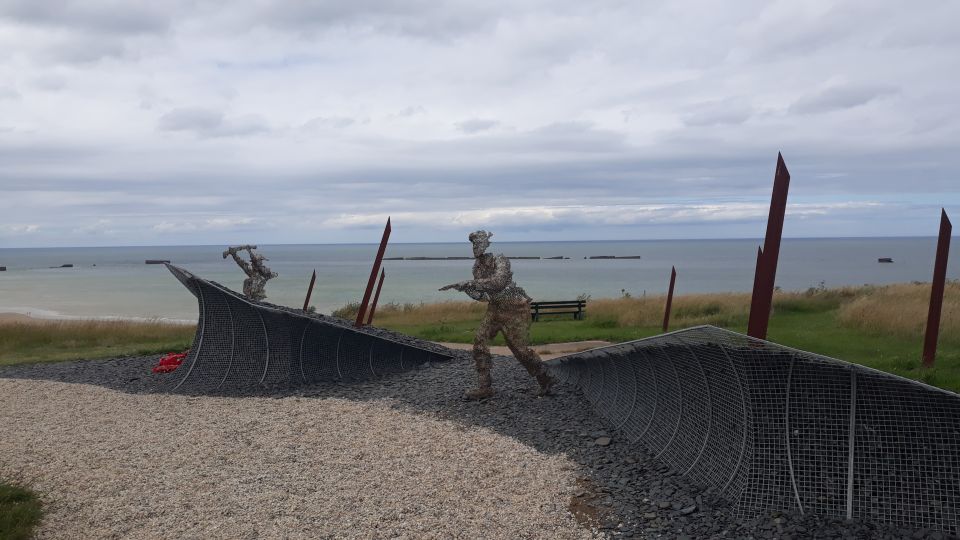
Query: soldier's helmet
{"x": 480, "y": 236}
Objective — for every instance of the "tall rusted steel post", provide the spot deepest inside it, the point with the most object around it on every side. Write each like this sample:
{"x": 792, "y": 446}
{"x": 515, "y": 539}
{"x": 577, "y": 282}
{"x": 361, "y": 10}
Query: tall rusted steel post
{"x": 666, "y": 311}
{"x": 757, "y": 272}
{"x": 936, "y": 291}
{"x": 376, "y": 298}
{"x": 765, "y": 277}
{"x": 313, "y": 279}
{"x": 373, "y": 276}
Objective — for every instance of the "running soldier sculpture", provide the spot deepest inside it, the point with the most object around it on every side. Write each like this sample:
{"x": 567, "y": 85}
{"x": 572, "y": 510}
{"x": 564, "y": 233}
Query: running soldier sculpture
{"x": 257, "y": 273}
{"x": 508, "y": 311}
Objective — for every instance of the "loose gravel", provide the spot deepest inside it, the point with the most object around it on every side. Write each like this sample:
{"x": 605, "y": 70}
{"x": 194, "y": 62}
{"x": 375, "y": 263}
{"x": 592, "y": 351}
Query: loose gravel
{"x": 404, "y": 456}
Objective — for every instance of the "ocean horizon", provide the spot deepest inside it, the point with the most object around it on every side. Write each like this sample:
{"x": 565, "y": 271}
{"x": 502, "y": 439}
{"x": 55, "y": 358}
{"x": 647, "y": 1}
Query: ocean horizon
{"x": 115, "y": 281}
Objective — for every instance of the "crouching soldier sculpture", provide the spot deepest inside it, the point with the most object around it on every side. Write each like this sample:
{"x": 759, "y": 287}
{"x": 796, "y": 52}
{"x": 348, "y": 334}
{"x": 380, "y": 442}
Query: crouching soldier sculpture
{"x": 508, "y": 311}
{"x": 257, "y": 273}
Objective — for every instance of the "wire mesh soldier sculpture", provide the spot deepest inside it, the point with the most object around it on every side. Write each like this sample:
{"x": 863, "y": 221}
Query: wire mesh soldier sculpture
{"x": 257, "y": 273}
{"x": 508, "y": 311}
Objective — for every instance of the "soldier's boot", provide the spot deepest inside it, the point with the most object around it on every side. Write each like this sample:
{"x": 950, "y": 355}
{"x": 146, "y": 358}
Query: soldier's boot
{"x": 485, "y": 388}
{"x": 546, "y": 383}
{"x": 539, "y": 371}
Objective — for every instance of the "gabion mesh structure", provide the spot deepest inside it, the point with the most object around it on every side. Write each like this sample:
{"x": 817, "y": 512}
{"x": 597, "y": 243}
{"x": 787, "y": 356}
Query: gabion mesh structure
{"x": 773, "y": 428}
{"x": 242, "y": 343}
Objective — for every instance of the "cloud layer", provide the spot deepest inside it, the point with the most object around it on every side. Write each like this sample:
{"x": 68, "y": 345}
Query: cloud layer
{"x": 139, "y": 122}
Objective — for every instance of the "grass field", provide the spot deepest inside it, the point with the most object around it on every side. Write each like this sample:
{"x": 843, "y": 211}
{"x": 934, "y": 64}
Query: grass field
{"x": 36, "y": 340}
{"x": 20, "y": 511}
{"x": 880, "y": 327}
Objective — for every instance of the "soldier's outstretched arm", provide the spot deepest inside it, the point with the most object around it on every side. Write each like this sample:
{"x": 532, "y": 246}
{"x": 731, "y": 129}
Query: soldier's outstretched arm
{"x": 244, "y": 265}
{"x": 468, "y": 288}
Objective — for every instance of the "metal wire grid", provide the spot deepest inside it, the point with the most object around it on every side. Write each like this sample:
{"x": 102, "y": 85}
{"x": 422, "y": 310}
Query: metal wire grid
{"x": 773, "y": 428}
{"x": 818, "y": 435}
{"x": 914, "y": 468}
{"x": 240, "y": 343}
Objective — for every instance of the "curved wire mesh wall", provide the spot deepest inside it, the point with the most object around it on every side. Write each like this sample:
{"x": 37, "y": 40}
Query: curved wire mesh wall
{"x": 773, "y": 428}
{"x": 241, "y": 343}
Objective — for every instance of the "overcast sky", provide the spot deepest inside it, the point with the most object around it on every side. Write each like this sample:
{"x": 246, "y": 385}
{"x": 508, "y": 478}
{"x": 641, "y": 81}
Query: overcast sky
{"x": 281, "y": 121}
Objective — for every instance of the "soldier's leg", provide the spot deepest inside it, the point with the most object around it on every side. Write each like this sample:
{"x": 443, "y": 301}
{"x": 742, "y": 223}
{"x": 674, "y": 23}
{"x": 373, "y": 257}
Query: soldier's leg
{"x": 481, "y": 355}
{"x": 516, "y": 332}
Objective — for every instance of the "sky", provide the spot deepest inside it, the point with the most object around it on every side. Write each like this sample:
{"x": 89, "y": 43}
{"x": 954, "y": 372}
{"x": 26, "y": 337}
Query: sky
{"x": 130, "y": 122}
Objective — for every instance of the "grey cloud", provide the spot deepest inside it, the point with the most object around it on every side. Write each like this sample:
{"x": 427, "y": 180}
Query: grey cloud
{"x": 417, "y": 18}
{"x": 329, "y": 122}
{"x": 9, "y": 92}
{"x": 49, "y": 82}
{"x": 120, "y": 17}
{"x": 705, "y": 118}
{"x": 476, "y": 125}
{"x": 575, "y": 137}
{"x": 727, "y": 112}
{"x": 841, "y": 97}
{"x": 210, "y": 123}
{"x": 412, "y": 110}
{"x": 86, "y": 48}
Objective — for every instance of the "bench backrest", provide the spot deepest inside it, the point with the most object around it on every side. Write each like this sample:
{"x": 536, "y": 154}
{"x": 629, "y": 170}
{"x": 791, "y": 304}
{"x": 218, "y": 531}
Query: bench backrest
{"x": 560, "y": 304}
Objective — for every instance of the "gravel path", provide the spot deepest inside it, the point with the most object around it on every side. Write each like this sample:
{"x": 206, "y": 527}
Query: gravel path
{"x": 399, "y": 457}
{"x": 118, "y": 465}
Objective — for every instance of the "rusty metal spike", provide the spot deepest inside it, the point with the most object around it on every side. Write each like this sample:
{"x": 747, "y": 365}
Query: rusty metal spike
{"x": 936, "y": 291}
{"x": 766, "y": 273}
{"x": 376, "y": 298}
{"x": 373, "y": 275}
{"x": 666, "y": 311}
{"x": 313, "y": 279}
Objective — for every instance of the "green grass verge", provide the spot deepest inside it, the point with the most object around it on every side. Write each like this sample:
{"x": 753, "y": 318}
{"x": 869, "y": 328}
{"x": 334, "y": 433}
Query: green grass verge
{"x": 20, "y": 512}
{"x": 872, "y": 326}
{"x": 53, "y": 341}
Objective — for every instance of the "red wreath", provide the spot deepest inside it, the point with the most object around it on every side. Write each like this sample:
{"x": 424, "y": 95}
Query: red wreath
{"x": 169, "y": 363}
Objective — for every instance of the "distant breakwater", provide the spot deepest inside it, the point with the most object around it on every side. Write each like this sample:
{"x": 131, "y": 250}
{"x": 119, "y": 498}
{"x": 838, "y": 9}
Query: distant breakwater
{"x": 558, "y": 257}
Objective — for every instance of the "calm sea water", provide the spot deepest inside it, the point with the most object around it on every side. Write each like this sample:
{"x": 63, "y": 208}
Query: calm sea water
{"x": 114, "y": 281}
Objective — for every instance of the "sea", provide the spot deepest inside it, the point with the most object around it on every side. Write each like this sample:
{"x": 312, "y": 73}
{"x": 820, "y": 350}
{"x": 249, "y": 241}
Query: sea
{"x": 115, "y": 282}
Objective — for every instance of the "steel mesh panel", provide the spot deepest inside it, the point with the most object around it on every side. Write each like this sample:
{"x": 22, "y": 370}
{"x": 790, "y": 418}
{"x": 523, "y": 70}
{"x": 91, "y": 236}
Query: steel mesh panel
{"x": 765, "y": 372}
{"x": 687, "y": 442}
{"x": 208, "y": 370}
{"x": 645, "y": 401}
{"x": 591, "y": 381}
{"x": 769, "y": 427}
{"x": 250, "y": 355}
{"x": 716, "y": 463}
{"x": 353, "y": 357}
{"x": 328, "y": 347}
{"x": 666, "y": 419}
{"x": 910, "y": 474}
{"x": 383, "y": 356}
{"x": 241, "y": 343}
{"x": 177, "y": 379}
{"x": 626, "y": 395}
{"x": 606, "y": 397}
{"x": 414, "y": 357}
{"x": 818, "y": 431}
{"x": 279, "y": 366}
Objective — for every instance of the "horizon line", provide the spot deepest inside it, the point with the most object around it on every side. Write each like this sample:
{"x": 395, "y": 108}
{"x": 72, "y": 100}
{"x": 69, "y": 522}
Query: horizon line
{"x": 759, "y": 239}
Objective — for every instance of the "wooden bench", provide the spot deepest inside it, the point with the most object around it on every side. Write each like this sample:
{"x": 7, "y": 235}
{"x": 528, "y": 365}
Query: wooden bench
{"x": 558, "y": 308}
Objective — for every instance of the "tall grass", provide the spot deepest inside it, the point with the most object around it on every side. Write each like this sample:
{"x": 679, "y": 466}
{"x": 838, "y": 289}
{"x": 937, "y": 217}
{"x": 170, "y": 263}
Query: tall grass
{"x": 34, "y": 340}
{"x": 721, "y": 309}
{"x": 901, "y": 310}
{"x": 449, "y": 311}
